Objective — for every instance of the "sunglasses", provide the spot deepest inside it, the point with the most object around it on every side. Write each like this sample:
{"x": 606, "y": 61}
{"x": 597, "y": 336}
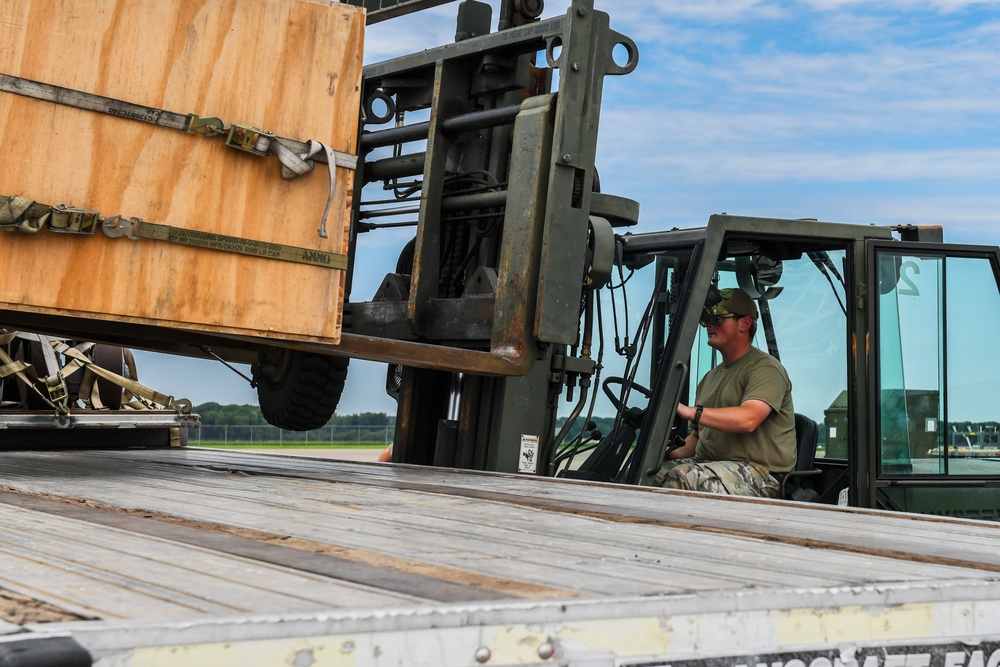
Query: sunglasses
{"x": 711, "y": 320}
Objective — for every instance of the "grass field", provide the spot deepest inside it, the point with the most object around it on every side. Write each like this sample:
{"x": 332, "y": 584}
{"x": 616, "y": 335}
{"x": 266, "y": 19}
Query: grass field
{"x": 287, "y": 444}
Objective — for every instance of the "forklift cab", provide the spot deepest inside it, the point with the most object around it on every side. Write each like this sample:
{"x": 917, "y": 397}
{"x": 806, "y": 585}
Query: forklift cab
{"x": 884, "y": 335}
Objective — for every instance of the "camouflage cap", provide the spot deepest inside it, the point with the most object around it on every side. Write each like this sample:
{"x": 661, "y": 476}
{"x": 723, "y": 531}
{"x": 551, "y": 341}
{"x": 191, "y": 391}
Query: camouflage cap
{"x": 735, "y": 302}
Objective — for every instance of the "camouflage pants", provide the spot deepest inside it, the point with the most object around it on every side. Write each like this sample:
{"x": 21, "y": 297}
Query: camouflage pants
{"x": 737, "y": 478}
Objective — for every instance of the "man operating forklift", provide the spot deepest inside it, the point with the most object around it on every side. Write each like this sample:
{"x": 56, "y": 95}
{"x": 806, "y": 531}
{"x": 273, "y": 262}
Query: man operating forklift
{"x": 742, "y": 439}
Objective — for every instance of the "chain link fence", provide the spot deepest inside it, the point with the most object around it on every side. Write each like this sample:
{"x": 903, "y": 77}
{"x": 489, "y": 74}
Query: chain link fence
{"x": 357, "y": 435}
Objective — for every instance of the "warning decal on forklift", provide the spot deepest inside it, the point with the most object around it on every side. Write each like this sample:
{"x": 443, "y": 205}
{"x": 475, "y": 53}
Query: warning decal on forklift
{"x": 527, "y": 461}
{"x": 984, "y": 654}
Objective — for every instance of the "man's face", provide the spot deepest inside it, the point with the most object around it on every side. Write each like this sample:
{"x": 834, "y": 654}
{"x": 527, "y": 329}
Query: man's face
{"x": 726, "y": 330}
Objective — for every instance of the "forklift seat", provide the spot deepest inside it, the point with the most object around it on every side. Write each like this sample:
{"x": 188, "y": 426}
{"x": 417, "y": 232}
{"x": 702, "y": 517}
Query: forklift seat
{"x": 797, "y": 485}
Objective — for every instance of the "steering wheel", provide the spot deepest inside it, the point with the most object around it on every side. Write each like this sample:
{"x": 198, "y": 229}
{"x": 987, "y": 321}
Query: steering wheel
{"x": 633, "y": 416}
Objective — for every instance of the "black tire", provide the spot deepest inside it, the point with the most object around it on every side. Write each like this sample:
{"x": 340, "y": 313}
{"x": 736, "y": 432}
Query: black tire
{"x": 110, "y": 358}
{"x": 298, "y": 391}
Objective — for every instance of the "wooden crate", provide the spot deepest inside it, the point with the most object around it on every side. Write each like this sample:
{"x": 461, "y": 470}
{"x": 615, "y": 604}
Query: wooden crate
{"x": 289, "y": 66}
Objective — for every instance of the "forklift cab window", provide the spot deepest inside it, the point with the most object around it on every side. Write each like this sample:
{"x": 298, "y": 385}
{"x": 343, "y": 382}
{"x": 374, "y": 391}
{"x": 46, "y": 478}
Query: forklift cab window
{"x": 938, "y": 449}
{"x": 937, "y": 320}
{"x": 803, "y": 322}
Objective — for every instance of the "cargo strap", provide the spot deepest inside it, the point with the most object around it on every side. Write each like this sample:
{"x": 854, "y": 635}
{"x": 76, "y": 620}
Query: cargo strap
{"x": 296, "y": 157}
{"x": 53, "y": 378}
{"x": 26, "y": 215}
{"x": 148, "y": 398}
{"x": 26, "y": 373}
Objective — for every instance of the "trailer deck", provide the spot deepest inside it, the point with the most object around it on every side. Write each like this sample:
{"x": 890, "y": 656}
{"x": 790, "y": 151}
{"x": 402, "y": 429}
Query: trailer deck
{"x": 188, "y": 556}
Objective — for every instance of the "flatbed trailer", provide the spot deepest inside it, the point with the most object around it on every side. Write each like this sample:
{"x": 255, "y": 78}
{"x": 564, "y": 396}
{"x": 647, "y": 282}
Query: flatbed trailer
{"x": 126, "y": 428}
{"x": 204, "y": 557}
{"x": 64, "y": 394}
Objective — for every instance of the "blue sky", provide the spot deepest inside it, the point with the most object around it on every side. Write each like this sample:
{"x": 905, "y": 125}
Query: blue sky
{"x": 841, "y": 110}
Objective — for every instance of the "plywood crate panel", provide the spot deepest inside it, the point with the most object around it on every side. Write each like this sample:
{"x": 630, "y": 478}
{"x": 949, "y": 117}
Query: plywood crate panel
{"x": 289, "y": 66}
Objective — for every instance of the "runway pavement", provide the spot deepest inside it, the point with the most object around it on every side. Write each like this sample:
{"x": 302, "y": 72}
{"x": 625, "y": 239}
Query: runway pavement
{"x": 340, "y": 454}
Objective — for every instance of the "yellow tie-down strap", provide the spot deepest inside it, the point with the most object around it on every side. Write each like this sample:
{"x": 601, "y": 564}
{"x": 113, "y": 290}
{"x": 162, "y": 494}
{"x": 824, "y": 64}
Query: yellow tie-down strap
{"x": 49, "y": 375}
{"x": 26, "y": 215}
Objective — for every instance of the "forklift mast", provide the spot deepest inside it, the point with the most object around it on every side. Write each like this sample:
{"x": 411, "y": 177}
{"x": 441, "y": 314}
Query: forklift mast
{"x": 486, "y": 147}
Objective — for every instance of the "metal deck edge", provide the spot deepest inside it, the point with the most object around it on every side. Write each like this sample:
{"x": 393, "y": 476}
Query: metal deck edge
{"x": 936, "y": 609}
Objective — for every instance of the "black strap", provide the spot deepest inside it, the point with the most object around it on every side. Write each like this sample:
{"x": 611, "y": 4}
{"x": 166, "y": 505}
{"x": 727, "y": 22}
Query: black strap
{"x": 26, "y": 215}
{"x": 242, "y": 137}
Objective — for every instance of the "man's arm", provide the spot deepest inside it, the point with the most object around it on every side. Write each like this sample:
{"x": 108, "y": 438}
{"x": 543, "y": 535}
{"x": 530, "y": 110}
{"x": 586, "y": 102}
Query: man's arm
{"x": 743, "y": 418}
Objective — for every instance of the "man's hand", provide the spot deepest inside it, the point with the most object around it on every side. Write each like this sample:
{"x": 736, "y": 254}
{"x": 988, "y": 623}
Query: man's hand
{"x": 686, "y": 412}
{"x": 686, "y": 450}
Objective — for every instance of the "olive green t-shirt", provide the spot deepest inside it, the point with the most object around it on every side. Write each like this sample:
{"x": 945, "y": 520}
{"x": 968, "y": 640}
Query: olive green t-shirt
{"x": 755, "y": 375}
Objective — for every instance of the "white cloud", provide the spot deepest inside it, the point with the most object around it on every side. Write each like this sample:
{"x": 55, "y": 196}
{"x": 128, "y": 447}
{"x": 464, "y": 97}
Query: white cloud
{"x": 943, "y": 6}
{"x": 641, "y": 14}
{"x": 855, "y": 167}
{"x": 410, "y": 34}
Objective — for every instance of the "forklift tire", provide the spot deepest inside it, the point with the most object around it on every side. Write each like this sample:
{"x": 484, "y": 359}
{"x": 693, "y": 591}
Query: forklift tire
{"x": 298, "y": 391}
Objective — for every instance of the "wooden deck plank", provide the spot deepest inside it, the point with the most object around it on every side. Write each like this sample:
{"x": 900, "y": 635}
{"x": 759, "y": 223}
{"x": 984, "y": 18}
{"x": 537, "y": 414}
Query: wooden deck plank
{"x": 113, "y": 574}
{"x": 955, "y": 539}
{"x": 675, "y": 505}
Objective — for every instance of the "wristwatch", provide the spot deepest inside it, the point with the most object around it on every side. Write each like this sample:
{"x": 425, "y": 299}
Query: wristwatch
{"x": 697, "y": 414}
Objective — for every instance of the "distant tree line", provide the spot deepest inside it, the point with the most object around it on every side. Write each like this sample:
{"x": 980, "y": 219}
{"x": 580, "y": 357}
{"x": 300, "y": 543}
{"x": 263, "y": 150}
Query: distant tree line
{"x": 214, "y": 414}
{"x": 602, "y": 424}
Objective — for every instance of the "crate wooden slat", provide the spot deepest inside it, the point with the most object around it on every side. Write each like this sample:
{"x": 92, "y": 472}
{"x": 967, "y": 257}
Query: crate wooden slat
{"x": 289, "y": 66}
